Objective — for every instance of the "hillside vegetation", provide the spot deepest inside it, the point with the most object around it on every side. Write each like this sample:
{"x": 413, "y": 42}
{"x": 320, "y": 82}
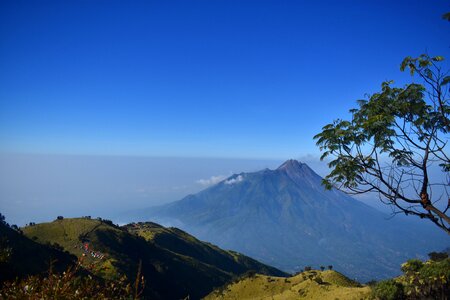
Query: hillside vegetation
{"x": 20, "y": 255}
{"x": 184, "y": 244}
{"x": 174, "y": 264}
{"x": 307, "y": 285}
{"x": 148, "y": 261}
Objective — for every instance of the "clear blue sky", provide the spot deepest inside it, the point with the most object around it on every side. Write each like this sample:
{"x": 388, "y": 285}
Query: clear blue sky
{"x": 251, "y": 79}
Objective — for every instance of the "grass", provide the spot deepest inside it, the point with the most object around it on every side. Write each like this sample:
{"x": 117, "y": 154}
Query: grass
{"x": 68, "y": 233}
{"x": 307, "y": 285}
{"x": 174, "y": 263}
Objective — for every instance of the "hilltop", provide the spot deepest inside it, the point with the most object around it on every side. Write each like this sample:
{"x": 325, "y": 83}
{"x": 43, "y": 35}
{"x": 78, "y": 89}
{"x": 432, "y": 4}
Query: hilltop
{"x": 285, "y": 218}
{"x": 306, "y": 285}
{"x": 174, "y": 263}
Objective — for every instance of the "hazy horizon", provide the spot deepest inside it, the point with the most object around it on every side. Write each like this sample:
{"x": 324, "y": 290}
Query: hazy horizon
{"x": 39, "y": 187}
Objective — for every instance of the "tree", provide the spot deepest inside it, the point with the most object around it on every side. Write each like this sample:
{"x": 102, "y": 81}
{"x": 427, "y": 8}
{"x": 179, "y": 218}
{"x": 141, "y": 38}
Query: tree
{"x": 437, "y": 256}
{"x": 3, "y": 220}
{"x": 392, "y": 140}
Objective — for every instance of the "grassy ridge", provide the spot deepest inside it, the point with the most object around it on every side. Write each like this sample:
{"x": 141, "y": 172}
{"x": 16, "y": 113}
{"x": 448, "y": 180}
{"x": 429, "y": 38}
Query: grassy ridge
{"x": 182, "y": 243}
{"x": 174, "y": 263}
{"x": 69, "y": 234}
{"x": 307, "y": 285}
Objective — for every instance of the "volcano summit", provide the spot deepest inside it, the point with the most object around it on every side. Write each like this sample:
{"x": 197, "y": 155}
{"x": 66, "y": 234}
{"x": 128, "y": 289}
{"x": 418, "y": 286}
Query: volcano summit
{"x": 285, "y": 218}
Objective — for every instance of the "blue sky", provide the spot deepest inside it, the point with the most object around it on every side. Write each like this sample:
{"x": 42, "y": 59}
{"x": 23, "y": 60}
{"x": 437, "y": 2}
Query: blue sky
{"x": 236, "y": 79}
{"x": 86, "y": 86}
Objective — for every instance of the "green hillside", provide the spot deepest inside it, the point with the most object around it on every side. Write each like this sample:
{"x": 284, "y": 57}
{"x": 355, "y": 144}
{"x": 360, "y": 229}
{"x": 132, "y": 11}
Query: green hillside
{"x": 184, "y": 244}
{"x": 307, "y": 285}
{"x": 174, "y": 263}
{"x": 22, "y": 256}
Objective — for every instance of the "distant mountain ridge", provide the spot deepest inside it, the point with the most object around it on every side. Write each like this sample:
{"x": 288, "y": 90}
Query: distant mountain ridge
{"x": 285, "y": 218}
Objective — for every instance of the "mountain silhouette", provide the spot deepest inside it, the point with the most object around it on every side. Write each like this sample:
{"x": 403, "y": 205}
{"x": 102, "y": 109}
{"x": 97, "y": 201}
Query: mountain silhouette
{"x": 285, "y": 218}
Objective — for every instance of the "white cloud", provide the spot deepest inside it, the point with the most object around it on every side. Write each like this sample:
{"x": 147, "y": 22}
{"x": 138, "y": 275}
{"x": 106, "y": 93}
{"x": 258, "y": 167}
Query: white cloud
{"x": 234, "y": 180}
{"x": 212, "y": 180}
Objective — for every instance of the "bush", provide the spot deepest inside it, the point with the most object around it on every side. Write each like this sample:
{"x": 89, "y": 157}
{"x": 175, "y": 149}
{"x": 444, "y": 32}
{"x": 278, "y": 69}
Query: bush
{"x": 318, "y": 279}
{"x": 427, "y": 280}
{"x": 388, "y": 290}
{"x": 438, "y": 256}
{"x": 71, "y": 285}
{"x": 430, "y": 281}
{"x": 372, "y": 283}
{"x": 249, "y": 274}
{"x": 412, "y": 265}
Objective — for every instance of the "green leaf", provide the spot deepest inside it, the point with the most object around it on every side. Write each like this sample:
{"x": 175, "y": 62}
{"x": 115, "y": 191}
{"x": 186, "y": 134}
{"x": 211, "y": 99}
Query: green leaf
{"x": 424, "y": 63}
{"x": 405, "y": 63}
{"x": 438, "y": 58}
{"x": 445, "y": 80}
{"x": 446, "y": 16}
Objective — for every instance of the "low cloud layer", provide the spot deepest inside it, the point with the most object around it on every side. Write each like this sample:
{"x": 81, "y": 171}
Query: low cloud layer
{"x": 211, "y": 180}
{"x": 234, "y": 180}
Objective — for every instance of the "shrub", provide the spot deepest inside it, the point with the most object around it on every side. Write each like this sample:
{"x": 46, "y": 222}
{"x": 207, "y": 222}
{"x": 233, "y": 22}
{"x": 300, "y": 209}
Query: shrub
{"x": 430, "y": 281}
{"x": 3, "y": 220}
{"x": 249, "y": 274}
{"x": 318, "y": 279}
{"x": 412, "y": 265}
{"x": 438, "y": 256}
{"x": 372, "y": 283}
{"x": 71, "y": 285}
{"x": 427, "y": 280}
{"x": 388, "y": 290}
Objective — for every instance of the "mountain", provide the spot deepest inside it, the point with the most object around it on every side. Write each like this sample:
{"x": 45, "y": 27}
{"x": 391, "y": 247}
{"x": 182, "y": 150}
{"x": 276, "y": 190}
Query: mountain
{"x": 306, "y": 285}
{"x": 285, "y": 218}
{"x": 173, "y": 263}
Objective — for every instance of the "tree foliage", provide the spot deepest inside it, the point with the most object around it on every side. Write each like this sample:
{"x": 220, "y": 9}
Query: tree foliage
{"x": 420, "y": 280}
{"x": 392, "y": 140}
{"x": 446, "y": 16}
{"x": 388, "y": 290}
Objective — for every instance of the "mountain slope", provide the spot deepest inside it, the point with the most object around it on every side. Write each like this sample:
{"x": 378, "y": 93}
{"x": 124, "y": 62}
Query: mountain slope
{"x": 21, "y": 256}
{"x": 285, "y": 218}
{"x": 171, "y": 270}
{"x": 307, "y": 285}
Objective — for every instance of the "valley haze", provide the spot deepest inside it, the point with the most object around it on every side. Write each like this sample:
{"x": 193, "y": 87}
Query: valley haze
{"x": 39, "y": 187}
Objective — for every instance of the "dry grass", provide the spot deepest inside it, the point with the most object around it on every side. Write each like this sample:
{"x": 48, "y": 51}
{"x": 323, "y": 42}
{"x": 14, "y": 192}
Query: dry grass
{"x": 307, "y": 285}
